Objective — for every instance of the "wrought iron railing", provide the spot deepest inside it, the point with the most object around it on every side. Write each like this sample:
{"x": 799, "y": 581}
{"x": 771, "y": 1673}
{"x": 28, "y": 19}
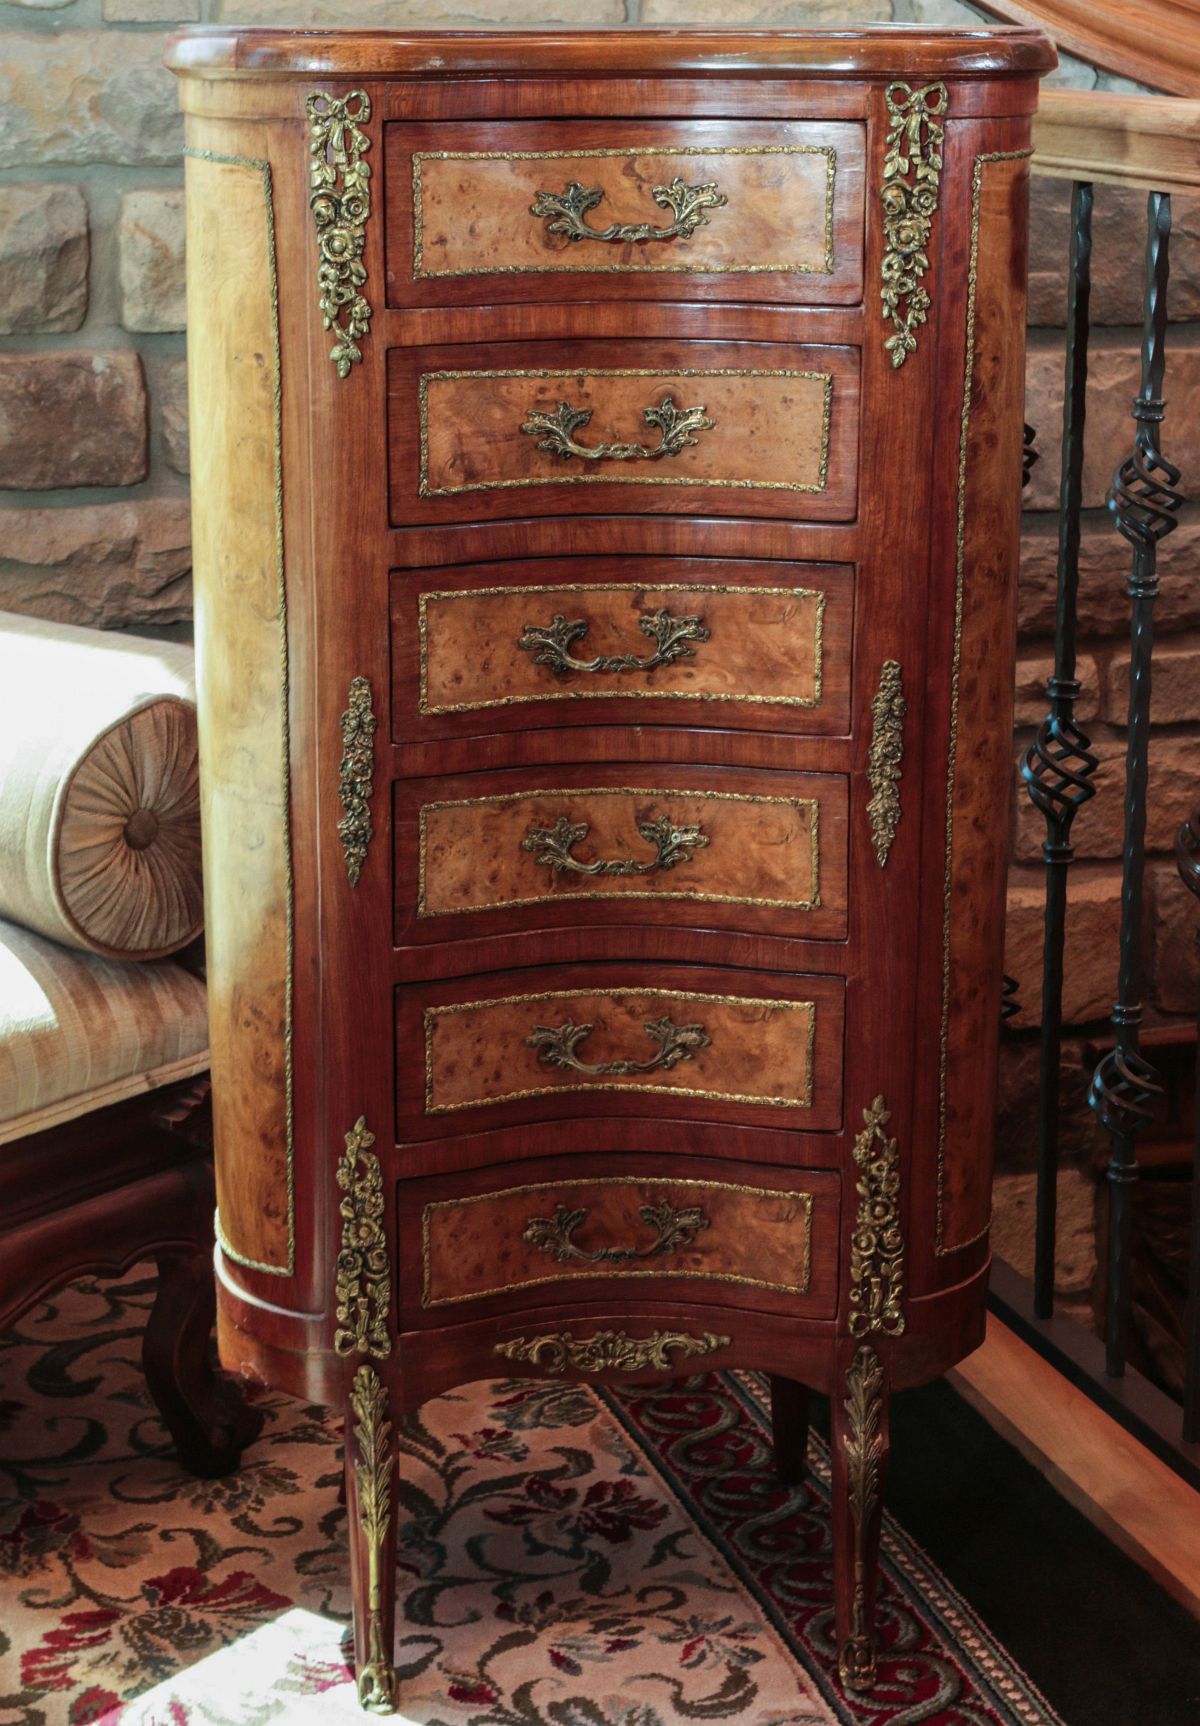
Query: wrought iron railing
{"x": 1115, "y": 143}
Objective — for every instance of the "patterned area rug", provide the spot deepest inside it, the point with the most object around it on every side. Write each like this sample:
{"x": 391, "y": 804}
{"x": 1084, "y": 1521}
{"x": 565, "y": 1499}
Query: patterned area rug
{"x": 568, "y": 1558}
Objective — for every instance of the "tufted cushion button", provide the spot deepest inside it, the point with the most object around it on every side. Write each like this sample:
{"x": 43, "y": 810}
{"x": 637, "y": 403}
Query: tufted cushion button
{"x": 141, "y": 830}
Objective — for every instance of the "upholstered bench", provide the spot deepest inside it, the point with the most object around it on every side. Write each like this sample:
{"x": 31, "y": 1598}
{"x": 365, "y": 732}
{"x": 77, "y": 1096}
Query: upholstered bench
{"x": 104, "y": 1155}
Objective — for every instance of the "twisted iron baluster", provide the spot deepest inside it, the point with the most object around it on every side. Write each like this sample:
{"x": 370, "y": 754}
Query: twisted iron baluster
{"x": 1010, "y": 987}
{"x": 1145, "y": 504}
{"x": 1030, "y": 454}
{"x": 1187, "y": 856}
{"x": 1059, "y": 765}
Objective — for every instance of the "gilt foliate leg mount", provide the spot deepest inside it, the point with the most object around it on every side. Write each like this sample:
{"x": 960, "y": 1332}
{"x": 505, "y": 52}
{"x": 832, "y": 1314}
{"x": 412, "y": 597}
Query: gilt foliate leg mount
{"x": 363, "y": 1295}
{"x": 860, "y": 1460}
{"x": 876, "y": 1293}
{"x": 371, "y": 1468}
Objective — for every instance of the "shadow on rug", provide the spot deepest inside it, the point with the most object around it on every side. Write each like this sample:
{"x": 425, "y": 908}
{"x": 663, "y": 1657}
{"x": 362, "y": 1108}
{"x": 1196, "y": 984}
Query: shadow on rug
{"x": 568, "y": 1558}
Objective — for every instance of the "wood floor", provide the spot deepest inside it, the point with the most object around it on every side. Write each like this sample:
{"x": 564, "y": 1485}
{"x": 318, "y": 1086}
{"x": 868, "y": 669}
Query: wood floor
{"x": 1143, "y": 1507}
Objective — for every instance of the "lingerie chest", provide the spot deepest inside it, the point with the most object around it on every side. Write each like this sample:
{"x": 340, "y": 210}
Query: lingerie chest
{"x": 607, "y": 453}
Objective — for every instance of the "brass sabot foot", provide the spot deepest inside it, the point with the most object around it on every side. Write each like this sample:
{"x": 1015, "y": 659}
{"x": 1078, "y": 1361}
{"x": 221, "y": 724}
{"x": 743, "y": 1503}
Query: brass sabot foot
{"x": 856, "y": 1668}
{"x": 378, "y": 1688}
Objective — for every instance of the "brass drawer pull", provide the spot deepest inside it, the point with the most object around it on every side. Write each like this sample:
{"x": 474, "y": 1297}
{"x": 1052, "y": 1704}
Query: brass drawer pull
{"x": 550, "y": 644}
{"x": 671, "y": 844}
{"x": 607, "y": 1350}
{"x": 566, "y": 212}
{"x": 555, "y": 432}
{"x": 557, "y": 1044}
{"x": 552, "y": 1235}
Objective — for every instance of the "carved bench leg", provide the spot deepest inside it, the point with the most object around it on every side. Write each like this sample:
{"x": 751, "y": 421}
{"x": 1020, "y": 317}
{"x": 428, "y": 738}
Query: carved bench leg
{"x": 203, "y": 1411}
{"x": 859, "y": 1420}
{"x": 370, "y": 1481}
{"x": 789, "y": 1429}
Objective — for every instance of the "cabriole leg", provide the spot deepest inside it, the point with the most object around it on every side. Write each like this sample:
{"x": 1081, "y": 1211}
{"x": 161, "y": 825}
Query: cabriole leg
{"x": 203, "y": 1411}
{"x": 859, "y": 1420}
{"x": 370, "y": 1478}
{"x": 789, "y": 1429}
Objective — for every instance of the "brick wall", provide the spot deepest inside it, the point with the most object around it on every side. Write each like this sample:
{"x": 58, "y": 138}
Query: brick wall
{"x": 94, "y": 455}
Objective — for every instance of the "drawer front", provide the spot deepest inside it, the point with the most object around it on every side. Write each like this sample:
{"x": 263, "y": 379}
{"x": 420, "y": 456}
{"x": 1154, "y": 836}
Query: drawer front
{"x": 714, "y": 210}
{"x": 746, "y": 645}
{"x": 707, "y": 848}
{"x": 632, "y": 425}
{"x": 712, "y": 1045}
{"x": 747, "y": 1233}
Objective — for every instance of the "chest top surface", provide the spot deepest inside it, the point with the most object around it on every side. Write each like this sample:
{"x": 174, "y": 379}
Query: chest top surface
{"x": 214, "y": 51}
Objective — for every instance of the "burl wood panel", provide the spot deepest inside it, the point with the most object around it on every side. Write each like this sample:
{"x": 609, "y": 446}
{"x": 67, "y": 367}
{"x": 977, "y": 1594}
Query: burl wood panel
{"x": 522, "y": 1235}
{"x": 233, "y": 376}
{"x": 755, "y": 1049}
{"x": 665, "y": 841}
{"x": 982, "y": 702}
{"x": 780, "y": 643}
{"x": 782, "y": 441}
{"x": 460, "y": 225}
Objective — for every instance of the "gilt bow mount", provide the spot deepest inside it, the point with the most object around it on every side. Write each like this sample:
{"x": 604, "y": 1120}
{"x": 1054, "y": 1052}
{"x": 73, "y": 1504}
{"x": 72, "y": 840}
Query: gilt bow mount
{"x": 340, "y": 202}
{"x": 912, "y": 171}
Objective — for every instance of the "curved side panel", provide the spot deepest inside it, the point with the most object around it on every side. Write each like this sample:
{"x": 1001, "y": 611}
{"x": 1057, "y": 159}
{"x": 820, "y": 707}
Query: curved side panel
{"x": 981, "y": 695}
{"x": 242, "y": 679}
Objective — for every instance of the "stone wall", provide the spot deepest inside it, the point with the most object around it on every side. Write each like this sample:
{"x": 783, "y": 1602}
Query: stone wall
{"x": 94, "y": 449}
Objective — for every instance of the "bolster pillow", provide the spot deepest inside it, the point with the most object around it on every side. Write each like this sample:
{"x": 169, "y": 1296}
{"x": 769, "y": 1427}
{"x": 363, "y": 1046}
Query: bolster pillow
{"x": 99, "y": 789}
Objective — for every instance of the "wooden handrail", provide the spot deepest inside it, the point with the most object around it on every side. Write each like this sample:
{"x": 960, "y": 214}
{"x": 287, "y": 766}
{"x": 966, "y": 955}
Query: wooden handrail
{"x": 1117, "y": 140}
{"x": 1155, "y": 41}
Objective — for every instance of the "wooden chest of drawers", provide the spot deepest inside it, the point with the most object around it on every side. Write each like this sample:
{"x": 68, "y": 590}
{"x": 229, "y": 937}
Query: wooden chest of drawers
{"x": 606, "y": 454}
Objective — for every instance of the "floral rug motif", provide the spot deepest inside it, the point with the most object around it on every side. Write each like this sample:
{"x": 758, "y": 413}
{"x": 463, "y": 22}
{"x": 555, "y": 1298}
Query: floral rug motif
{"x": 568, "y": 1557}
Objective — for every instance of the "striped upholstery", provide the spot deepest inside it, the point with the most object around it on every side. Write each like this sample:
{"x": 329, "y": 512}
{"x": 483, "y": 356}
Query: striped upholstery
{"x": 78, "y": 1033}
{"x": 99, "y": 789}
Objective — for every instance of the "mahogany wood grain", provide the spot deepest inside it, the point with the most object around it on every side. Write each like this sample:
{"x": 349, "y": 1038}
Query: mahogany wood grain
{"x": 978, "y": 449}
{"x": 783, "y": 439}
{"x": 754, "y": 1240}
{"x": 625, "y": 317}
{"x": 880, "y": 541}
{"x": 461, "y": 227}
{"x": 217, "y": 53}
{"x": 773, "y": 1049}
{"x": 769, "y": 852}
{"x": 984, "y": 701}
{"x": 603, "y": 1135}
{"x": 775, "y": 655}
